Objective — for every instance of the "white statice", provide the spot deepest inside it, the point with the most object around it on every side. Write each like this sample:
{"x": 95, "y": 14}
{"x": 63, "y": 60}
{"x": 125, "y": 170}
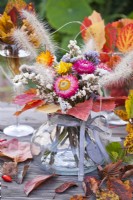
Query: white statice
{"x": 64, "y": 105}
{"x": 74, "y": 48}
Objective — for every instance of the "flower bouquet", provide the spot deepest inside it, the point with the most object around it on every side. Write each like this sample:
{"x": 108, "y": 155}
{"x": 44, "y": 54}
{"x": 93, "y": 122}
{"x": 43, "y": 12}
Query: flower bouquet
{"x": 68, "y": 90}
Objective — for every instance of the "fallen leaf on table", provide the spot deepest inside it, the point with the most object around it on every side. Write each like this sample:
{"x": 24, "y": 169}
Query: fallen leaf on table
{"x": 78, "y": 197}
{"x": 17, "y": 151}
{"x": 22, "y": 174}
{"x": 10, "y": 168}
{"x": 126, "y": 171}
{"x": 111, "y": 170}
{"x": 62, "y": 188}
{"x": 90, "y": 185}
{"x": 35, "y": 182}
{"x": 107, "y": 195}
{"x": 119, "y": 188}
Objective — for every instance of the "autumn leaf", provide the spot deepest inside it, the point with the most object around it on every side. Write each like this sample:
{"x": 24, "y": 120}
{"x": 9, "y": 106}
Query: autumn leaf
{"x": 85, "y": 24}
{"x": 6, "y": 28}
{"x": 111, "y": 170}
{"x": 22, "y": 173}
{"x": 30, "y": 105}
{"x": 22, "y": 99}
{"x": 35, "y": 182}
{"x": 110, "y": 35}
{"x": 49, "y": 108}
{"x": 119, "y": 188}
{"x": 97, "y": 32}
{"x": 65, "y": 186}
{"x": 10, "y": 169}
{"x": 90, "y": 185}
{"x": 81, "y": 110}
{"x": 122, "y": 114}
{"x": 129, "y": 105}
{"x": 19, "y": 5}
{"x": 126, "y": 171}
{"x": 107, "y": 195}
{"x": 78, "y": 197}
{"x": 103, "y": 104}
{"x": 124, "y": 41}
{"x": 17, "y": 151}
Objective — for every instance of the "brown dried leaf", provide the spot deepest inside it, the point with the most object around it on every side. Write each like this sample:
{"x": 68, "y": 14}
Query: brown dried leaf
{"x": 111, "y": 170}
{"x": 126, "y": 171}
{"x": 63, "y": 187}
{"x": 78, "y": 197}
{"x": 119, "y": 188}
{"x": 10, "y": 169}
{"x": 35, "y": 182}
{"x": 90, "y": 185}
{"x": 107, "y": 195}
{"x": 17, "y": 151}
{"x": 22, "y": 174}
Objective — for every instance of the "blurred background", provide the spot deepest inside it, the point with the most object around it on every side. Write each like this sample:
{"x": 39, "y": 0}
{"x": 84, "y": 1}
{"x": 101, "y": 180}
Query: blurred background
{"x": 59, "y": 12}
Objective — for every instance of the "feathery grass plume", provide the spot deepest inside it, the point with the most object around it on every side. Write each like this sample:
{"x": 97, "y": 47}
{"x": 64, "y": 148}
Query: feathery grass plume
{"x": 122, "y": 73}
{"x": 40, "y": 30}
{"x": 90, "y": 45}
{"x": 22, "y": 41}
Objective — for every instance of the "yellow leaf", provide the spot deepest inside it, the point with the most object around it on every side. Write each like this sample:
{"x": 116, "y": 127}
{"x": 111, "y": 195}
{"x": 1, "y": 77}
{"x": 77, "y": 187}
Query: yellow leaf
{"x": 97, "y": 32}
{"x": 129, "y": 105}
{"x": 49, "y": 108}
{"x": 122, "y": 114}
{"x": 6, "y": 28}
{"x": 95, "y": 17}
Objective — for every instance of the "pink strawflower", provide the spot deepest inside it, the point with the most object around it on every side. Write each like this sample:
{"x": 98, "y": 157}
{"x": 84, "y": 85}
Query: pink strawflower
{"x": 104, "y": 66}
{"x": 66, "y": 86}
{"x": 84, "y": 67}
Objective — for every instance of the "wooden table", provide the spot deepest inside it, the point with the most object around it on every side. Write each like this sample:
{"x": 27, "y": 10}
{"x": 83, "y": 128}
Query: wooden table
{"x": 46, "y": 190}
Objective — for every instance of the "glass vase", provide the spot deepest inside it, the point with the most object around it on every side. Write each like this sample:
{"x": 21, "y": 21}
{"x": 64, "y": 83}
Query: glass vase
{"x": 65, "y": 145}
{"x": 11, "y": 58}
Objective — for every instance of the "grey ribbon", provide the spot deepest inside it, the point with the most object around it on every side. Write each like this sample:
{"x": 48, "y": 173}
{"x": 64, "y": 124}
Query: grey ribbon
{"x": 69, "y": 121}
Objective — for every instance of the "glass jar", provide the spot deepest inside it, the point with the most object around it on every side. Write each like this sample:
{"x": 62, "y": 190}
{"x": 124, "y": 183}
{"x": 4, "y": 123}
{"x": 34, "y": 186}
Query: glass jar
{"x": 56, "y": 146}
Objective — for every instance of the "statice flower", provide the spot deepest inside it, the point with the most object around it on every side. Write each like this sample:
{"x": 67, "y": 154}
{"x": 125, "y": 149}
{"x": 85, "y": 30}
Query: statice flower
{"x": 92, "y": 56}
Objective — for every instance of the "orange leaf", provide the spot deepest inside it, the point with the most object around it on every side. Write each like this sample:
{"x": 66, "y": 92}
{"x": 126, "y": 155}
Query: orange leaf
{"x": 95, "y": 17}
{"x": 125, "y": 39}
{"x": 30, "y": 105}
{"x": 49, "y": 108}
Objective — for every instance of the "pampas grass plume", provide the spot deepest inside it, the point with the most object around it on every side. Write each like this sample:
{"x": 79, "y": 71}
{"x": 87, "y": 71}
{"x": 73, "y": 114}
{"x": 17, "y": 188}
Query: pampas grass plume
{"x": 22, "y": 41}
{"x": 122, "y": 73}
{"x": 90, "y": 45}
{"x": 40, "y": 30}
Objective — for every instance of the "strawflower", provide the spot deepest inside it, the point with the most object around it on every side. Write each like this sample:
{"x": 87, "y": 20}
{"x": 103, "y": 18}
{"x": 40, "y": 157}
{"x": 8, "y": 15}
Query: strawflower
{"x": 63, "y": 67}
{"x": 45, "y": 58}
{"x": 66, "y": 86}
{"x": 84, "y": 67}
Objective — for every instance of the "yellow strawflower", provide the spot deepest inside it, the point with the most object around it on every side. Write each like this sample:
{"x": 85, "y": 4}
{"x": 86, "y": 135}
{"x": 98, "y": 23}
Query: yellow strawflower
{"x": 63, "y": 67}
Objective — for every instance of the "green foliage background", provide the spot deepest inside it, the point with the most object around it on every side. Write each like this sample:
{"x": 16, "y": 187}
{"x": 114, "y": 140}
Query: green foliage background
{"x": 59, "y": 12}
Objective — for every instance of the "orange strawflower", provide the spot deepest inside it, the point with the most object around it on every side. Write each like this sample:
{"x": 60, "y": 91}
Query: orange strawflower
{"x": 45, "y": 58}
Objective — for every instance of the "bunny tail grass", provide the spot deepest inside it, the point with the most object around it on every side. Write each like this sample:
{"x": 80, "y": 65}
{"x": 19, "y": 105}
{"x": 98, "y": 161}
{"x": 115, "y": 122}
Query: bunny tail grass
{"x": 40, "y": 30}
{"x": 90, "y": 45}
{"x": 22, "y": 41}
{"x": 122, "y": 73}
